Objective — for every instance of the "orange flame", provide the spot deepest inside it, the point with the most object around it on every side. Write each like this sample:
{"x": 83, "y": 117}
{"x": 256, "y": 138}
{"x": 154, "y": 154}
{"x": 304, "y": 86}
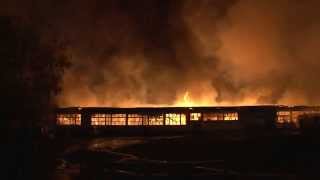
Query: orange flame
{"x": 186, "y": 99}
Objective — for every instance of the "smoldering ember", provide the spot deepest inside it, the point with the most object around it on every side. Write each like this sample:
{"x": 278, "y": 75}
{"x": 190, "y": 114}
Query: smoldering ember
{"x": 117, "y": 89}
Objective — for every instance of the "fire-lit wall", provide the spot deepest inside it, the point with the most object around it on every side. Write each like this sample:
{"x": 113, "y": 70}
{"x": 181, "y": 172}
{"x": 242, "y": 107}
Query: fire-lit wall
{"x": 145, "y": 118}
{"x": 69, "y": 119}
{"x": 251, "y": 116}
{"x": 291, "y": 117}
{"x": 137, "y": 119}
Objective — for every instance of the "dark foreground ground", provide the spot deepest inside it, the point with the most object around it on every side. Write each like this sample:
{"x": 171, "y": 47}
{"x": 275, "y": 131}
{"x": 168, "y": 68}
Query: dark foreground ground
{"x": 226, "y": 155}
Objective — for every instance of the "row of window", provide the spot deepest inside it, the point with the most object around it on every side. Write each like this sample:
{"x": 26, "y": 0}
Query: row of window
{"x": 291, "y": 117}
{"x": 140, "y": 119}
{"x": 227, "y": 116}
{"x": 283, "y": 117}
{"x": 133, "y": 119}
{"x": 69, "y": 119}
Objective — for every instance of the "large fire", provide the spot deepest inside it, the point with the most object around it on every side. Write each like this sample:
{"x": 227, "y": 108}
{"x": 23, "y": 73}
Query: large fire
{"x": 207, "y": 100}
{"x": 191, "y": 53}
{"x": 187, "y": 98}
{"x": 185, "y": 53}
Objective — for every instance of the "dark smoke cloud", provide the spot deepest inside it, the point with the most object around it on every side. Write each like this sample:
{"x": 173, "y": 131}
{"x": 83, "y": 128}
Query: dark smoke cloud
{"x": 272, "y": 49}
{"x": 150, "y": 52}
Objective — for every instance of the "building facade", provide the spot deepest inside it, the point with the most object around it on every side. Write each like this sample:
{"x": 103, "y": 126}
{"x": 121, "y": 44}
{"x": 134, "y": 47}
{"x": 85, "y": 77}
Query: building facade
{"x": 181, "y": 118}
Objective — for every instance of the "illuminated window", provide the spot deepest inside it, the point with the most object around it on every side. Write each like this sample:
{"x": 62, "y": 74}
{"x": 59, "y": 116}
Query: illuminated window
{"x": 195, "y": 116}
{"x": 213, "y": 117}
{"x": 175, "y": 119}
{"x": 69, "y": 119}
{"x": 293, "y": 117}
{"x": 155, "y": 119}
{"x": 297, "y": 114}
{"x": 135, "y": 119}
{"x": 101, "y": 119}
{"x": 283, "y": 117}
{"x": 231, "y": 116}
{"x": 118, "y": 119}
{"x": 223, "y": 116}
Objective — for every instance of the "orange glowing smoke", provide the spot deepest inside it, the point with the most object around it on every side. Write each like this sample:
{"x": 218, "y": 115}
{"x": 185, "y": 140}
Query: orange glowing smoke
{"x": 211, "y": 54}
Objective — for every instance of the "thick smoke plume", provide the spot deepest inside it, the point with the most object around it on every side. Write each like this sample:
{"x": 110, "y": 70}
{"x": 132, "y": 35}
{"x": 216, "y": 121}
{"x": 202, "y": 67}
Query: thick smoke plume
{"x": 151, "y": 52}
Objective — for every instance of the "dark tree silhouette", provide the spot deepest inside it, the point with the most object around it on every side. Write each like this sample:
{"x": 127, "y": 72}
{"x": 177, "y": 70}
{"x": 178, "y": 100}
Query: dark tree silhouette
{"x": 30, "y": 76}
{"x": 31, "y": 71}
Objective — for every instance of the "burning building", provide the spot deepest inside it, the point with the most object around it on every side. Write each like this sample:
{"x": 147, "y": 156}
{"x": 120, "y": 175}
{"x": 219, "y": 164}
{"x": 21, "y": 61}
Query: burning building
{"x": 181, "y": 119}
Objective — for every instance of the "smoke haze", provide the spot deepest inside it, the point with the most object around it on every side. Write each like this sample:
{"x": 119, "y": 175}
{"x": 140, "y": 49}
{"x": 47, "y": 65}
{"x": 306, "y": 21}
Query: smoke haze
{"x": 151, "y": 52}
